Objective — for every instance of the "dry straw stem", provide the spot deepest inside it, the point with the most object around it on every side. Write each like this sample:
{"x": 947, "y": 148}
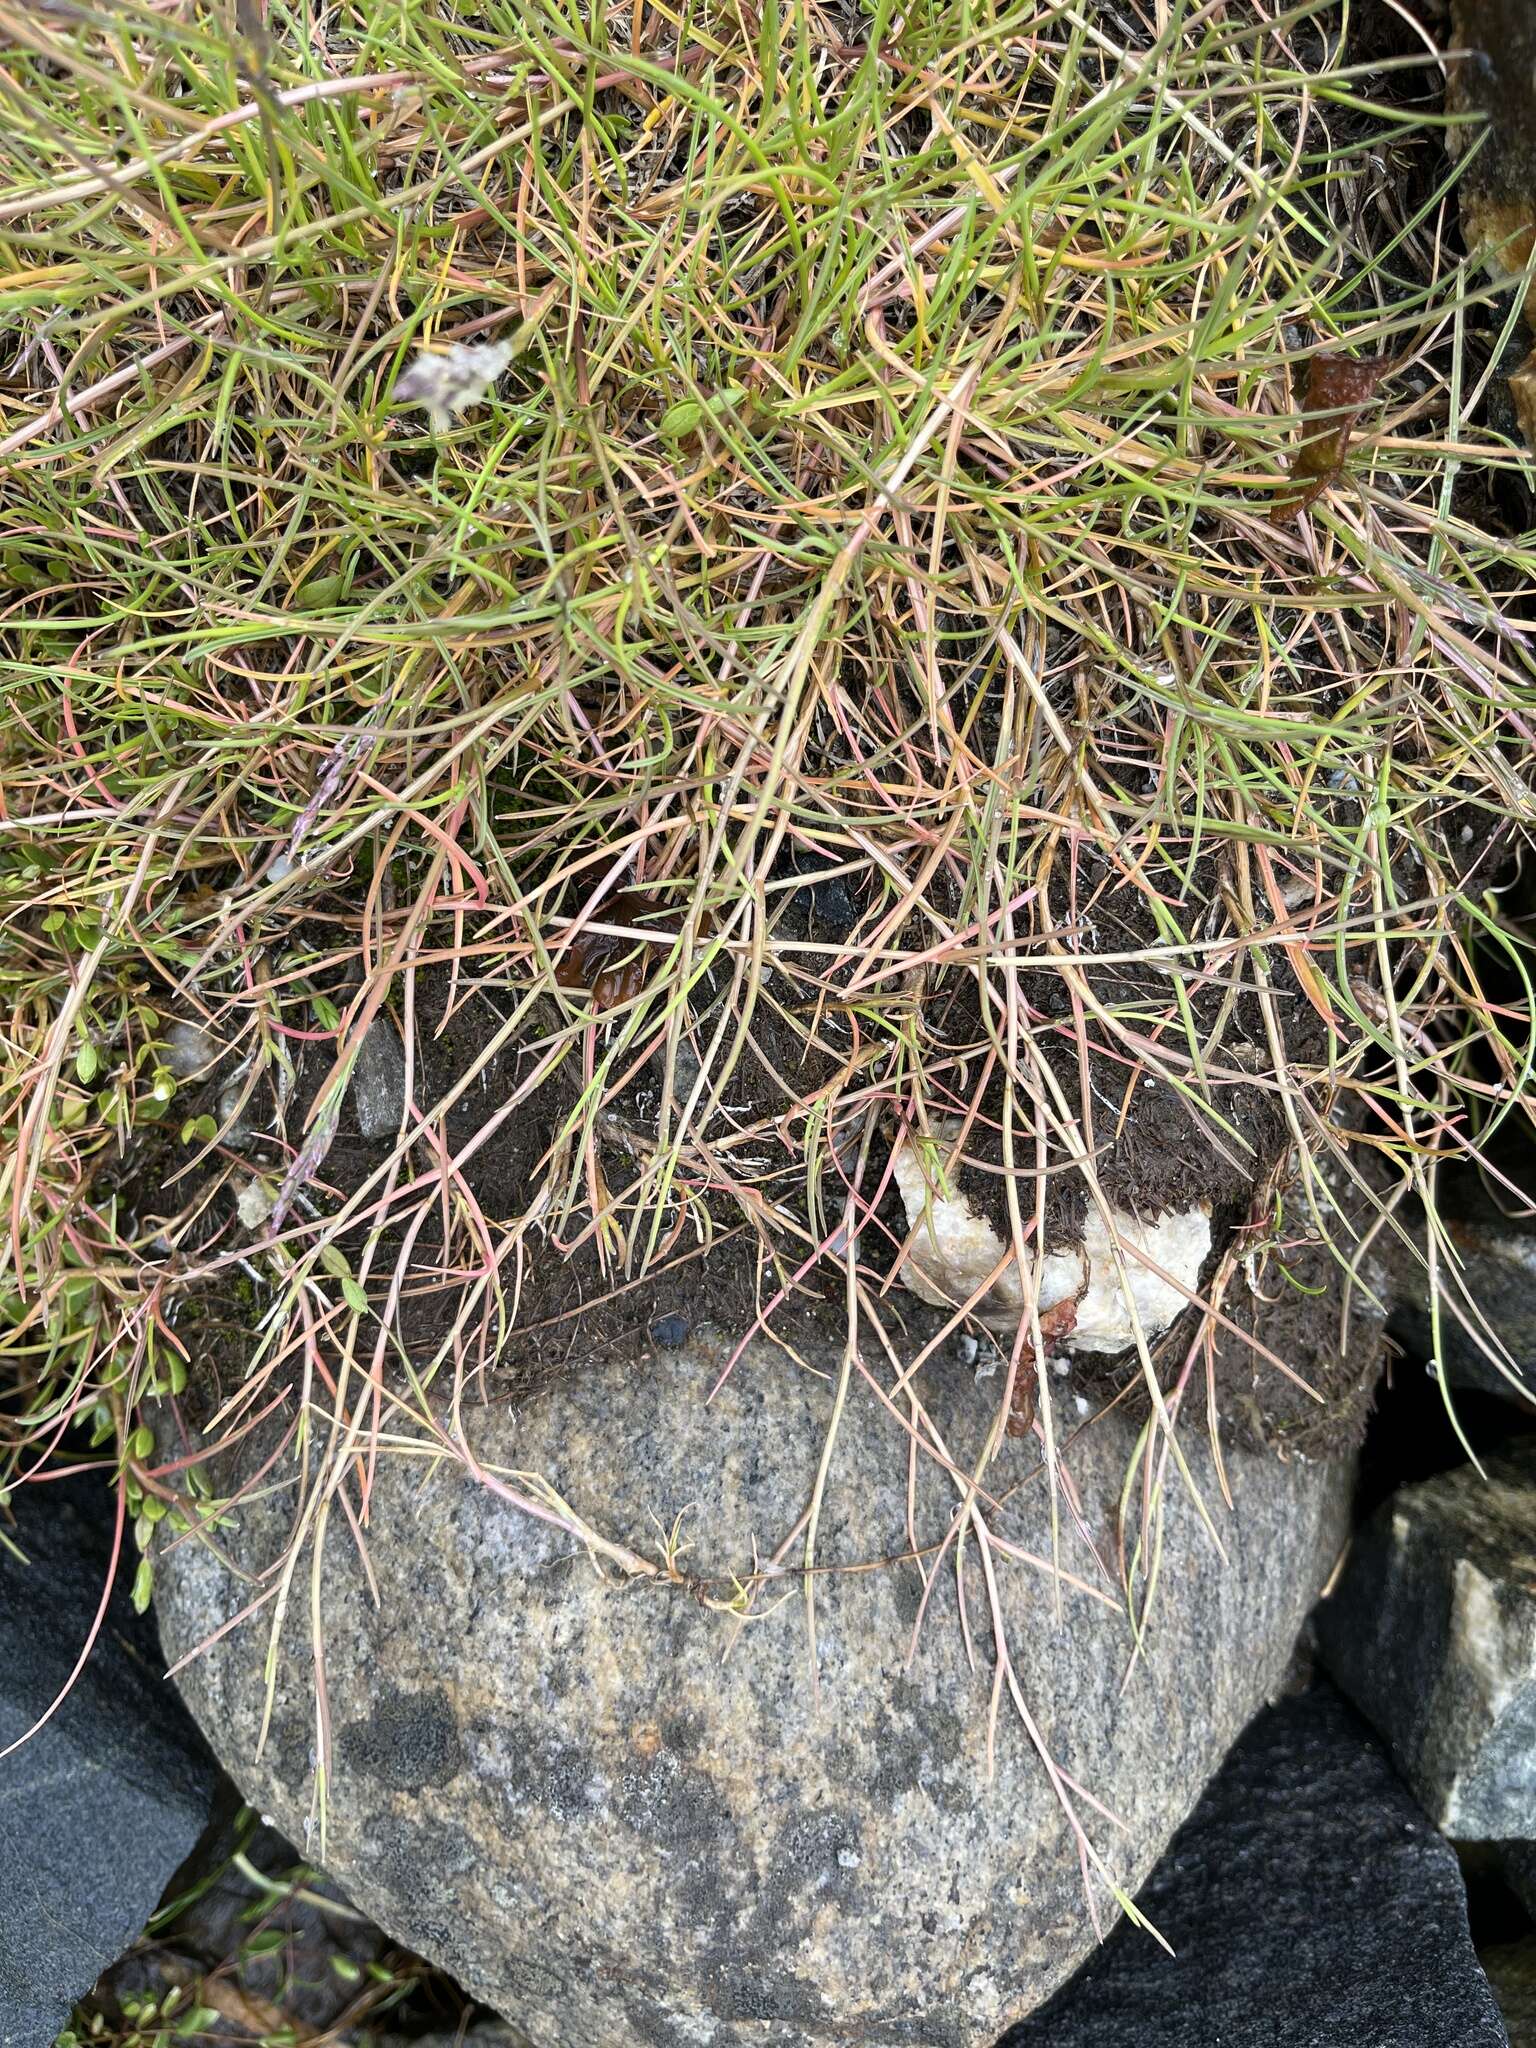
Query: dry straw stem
{"x": 882, "y": 474}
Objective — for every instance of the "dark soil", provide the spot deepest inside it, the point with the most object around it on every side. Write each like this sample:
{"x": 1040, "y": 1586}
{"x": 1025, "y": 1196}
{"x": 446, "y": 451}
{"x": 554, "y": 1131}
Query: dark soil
{"x": 1154, "y": 1148}
{"x": 710, "y": 1268}
{"x": 1328, "y": 1324}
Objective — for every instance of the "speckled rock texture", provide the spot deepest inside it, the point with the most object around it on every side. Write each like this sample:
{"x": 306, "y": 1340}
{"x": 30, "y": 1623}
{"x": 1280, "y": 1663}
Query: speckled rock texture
{"x": 378, "y": 1079}
{"x": 622, "y": 1817}
{"x": 1309, "y": 1904}
{"x": 1432, "y": 1633}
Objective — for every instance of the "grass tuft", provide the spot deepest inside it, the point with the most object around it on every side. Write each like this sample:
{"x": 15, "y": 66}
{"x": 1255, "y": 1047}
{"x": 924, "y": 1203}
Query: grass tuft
{"x": 487, "y": 489}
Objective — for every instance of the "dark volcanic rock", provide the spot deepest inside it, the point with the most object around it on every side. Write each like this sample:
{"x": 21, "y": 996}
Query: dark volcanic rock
{"x": 826, "y": 896}
{"x": 1309, "y": 1904}
{"x": 105, "y": 1801}
{"x": 1432, "y": 1632}
{"x": 1496, "y": 1287}
{"x": 626, "y": 1820}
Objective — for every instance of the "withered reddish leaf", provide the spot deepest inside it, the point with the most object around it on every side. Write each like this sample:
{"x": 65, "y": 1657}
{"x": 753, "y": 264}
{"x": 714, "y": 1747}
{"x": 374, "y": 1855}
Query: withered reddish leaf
{"x": 1338, "y": 390}
{"x": 1021, "y": 1409}
{"x": 1061, "y": 1320}
{"x": 614, "y": 970}
{"x": 1056, "y": 1322}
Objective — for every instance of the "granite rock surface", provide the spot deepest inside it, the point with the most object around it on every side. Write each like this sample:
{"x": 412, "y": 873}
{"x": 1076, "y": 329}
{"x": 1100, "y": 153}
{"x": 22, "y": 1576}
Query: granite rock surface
{"x": 621, "y": 1814}
{"x": 1432, "y": 1633}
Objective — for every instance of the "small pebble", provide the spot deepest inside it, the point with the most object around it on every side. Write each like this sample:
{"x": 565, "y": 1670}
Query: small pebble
{"x": 1080, "y": 1403}
{"x": 1061, "y": 1367}
{"x": 189, "y": 1048}
{"x": 828, "y": 901}
{"x": 378, "y": 1079}
{"x": 967, "y": 1348}
{"x": 231, "y": 1113}
{"x": 670, "y": 1332}
{"x": 254, "y": 1204}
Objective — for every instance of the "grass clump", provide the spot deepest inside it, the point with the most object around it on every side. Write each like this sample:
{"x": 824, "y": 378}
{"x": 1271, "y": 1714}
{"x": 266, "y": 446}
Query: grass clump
{"x": 468, "y": 471}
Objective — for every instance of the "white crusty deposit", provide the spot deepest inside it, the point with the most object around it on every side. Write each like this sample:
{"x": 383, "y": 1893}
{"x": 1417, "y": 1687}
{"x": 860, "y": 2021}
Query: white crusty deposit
{"x": 954, "y": 1251}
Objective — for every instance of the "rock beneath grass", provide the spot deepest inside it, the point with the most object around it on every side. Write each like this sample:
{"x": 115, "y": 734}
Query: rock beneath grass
{"x": 104, "y": 1802}
{"x": 825, "y": 896}
{"x": 619, "y": 1816}
{"x": 1307, "y": 1901}
{"x": 1432, "y": 1632}
{"x": 189, "y": 1048}
{"x": 378, "y": 1079}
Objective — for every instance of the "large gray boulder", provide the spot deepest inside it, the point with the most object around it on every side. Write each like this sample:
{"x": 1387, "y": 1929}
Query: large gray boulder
{"x": 620, "y": 1815}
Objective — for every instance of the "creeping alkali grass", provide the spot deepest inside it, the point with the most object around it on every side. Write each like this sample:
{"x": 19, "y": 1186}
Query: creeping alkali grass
{"x": 890, "y": 411}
